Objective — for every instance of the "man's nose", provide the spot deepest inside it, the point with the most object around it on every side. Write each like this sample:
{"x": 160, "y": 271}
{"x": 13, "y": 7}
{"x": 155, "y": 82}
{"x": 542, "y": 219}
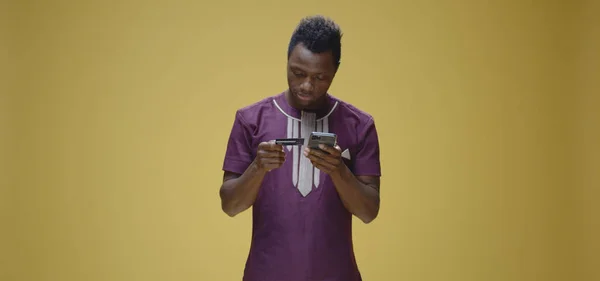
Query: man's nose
{"x": 307, "y": 85}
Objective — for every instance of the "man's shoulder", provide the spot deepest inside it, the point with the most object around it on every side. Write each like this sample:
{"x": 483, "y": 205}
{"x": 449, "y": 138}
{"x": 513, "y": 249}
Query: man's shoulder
{"x": 261, "y": 104}
{"x": 350, "y": 110}
{"x": 253, "y": 110}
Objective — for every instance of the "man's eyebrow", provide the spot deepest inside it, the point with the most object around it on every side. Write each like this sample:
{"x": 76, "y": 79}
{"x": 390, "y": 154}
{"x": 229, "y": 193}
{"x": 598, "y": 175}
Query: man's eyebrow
{"x": 296, "y": 68}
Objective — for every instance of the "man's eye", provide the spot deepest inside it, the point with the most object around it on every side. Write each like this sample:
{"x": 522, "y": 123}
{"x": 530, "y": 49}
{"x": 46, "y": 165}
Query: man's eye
{"x": 299, "y": 74}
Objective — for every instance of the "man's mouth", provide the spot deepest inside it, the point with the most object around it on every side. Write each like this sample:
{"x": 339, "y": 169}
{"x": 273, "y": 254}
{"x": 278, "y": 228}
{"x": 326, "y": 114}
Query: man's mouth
{"x": 303, "y": 96}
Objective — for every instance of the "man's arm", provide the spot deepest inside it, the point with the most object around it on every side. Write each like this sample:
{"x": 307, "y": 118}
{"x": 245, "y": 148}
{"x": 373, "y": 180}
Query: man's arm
{"x": 238, "y": 192}
{"x": 359, "y": 194}
{"x": 358, "y": 189}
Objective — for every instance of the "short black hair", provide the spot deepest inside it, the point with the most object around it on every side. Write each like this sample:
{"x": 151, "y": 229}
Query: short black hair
{"x": 318, "y": 34}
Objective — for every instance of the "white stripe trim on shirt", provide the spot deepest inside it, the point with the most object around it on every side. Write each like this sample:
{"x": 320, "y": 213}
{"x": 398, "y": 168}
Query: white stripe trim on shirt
{"x": 297, "y": 119}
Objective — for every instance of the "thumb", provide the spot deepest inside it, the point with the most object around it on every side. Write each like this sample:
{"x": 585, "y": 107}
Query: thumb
{"x": 274, "y": 146}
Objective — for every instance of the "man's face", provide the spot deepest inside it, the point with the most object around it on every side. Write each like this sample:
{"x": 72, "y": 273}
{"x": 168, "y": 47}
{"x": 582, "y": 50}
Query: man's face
{"x": 309, "y": 77}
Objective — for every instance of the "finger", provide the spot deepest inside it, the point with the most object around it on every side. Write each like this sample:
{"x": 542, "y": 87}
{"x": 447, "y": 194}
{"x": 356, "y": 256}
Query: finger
{"x": 270, "y": 146}
{"x": 318, "y": 161}
{"x": 270, "y": 165}
{"x": 322, "y": 167}
{"x": 276, "y": 147}
{"x": 271, "y": 154}
{"x": 329, "y": 158}
{"x": 331, "y": 150}
{"x": 314, "y": 152}
{"x": 268, "y": 161}
{"x": 273, "y": 151}
{"x": 316, "y": 155}
{"x": 272, "y": 160}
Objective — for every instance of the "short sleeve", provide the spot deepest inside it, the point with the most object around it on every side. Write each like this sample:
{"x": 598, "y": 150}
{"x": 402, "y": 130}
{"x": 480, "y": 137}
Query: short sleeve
{"x": 238, "y": 155}
{"x": 366, "y": 158}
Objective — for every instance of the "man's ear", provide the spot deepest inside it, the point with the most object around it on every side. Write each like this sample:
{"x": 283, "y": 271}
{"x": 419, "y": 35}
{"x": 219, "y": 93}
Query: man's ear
{"x": 336, "y": 66}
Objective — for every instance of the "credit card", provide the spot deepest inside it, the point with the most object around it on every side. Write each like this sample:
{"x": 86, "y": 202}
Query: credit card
{"x": 294, "y": 141}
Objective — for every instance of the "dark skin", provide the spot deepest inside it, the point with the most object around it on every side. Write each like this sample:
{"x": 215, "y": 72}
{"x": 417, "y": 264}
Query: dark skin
{"x": 309, "y": 77}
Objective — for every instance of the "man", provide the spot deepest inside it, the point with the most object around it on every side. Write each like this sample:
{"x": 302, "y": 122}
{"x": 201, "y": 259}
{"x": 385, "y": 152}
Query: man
{"x": 303, "y": 200}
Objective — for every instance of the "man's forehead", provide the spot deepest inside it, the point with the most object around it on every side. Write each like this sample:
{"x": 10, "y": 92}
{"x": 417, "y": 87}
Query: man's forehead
{"x": 302, "y": 57}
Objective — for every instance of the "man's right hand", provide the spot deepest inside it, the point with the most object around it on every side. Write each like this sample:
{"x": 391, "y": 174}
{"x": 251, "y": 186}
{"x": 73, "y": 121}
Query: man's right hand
{"x": 269, "y": 156}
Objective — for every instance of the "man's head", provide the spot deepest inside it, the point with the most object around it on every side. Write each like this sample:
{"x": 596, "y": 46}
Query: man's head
{"x": 313, "y": 59}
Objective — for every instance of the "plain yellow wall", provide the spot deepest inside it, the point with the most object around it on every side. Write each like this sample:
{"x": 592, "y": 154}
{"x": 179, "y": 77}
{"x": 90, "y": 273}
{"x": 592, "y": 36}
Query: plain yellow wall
{"x": 7, "y": 93}
{"x": 587, "y": 139}
{"x": 123, "y": 110}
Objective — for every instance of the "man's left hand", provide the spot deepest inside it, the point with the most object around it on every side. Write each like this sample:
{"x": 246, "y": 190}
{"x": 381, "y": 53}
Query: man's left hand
{"x": 329, "y": 160}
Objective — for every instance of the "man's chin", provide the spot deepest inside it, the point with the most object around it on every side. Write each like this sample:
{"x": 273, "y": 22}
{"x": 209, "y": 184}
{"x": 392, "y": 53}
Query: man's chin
{"x": 304, "y": 102}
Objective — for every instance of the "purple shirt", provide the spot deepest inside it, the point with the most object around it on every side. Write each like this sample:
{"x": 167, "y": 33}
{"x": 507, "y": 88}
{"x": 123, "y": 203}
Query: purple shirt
{"x": 301, "y": 235}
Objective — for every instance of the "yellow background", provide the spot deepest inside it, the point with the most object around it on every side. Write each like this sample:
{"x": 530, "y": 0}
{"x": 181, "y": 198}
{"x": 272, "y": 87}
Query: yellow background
{"x": 115, "y": 115}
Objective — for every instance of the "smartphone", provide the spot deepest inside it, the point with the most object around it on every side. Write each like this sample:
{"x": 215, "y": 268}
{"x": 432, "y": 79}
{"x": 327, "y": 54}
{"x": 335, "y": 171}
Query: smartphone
{"x": 317, "y": 138}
